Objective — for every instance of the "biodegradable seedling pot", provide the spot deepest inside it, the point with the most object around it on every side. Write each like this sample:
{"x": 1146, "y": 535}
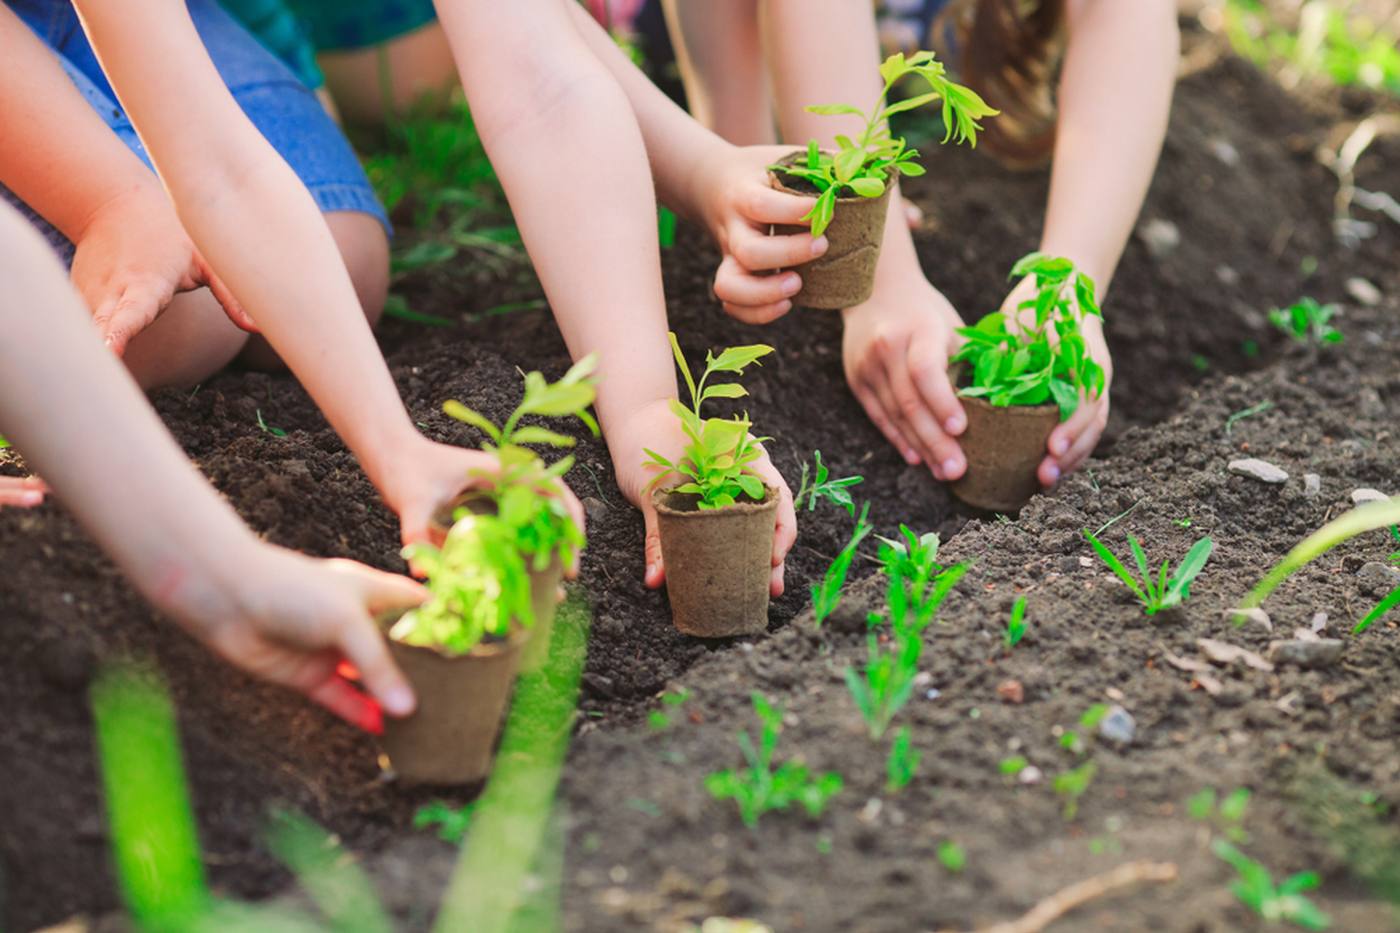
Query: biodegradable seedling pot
{"x": 1003, "y": 445}
{"x": 845, "y": 275}
{"x": 718, "y": 563}
{"x": 451, "y": 736}
{"x": 544, "y": 584}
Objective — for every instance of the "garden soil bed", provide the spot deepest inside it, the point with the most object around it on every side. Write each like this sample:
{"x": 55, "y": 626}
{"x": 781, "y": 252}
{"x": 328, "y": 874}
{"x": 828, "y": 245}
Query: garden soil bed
{"x": 647, "y": 848}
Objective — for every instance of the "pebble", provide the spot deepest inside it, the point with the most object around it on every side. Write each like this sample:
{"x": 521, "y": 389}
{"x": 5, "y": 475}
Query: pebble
{"x": 1377, "y": 579}
{"x": 595, "y": 509}
{"x": 1312, "y": 484}
{"x": 1364, "y": 495}
{"x": 1012, "y": 692}
{"x": 1162, "y": 237}
{"x": 1261, "y": 470}
{"x": 1321, "y": 652}
{"x": 1225, "y": 151}
{"x": 1362, "y": 291}
{"x": 1222, "y": 652}
{"x": 1118, "y": 725}
{"x": 1030, "y": 774}
{"x": 1251, "y": 615}
{"x": 1318, "y": 623}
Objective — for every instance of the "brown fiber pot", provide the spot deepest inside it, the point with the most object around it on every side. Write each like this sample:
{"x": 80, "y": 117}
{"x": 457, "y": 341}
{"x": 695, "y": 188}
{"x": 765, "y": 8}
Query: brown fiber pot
{"x": 845, "y": 276}
{"x": 544, "y": 584}
{"x": 718, "y": 563}
{"x": 1003, "y": 445}
{"x": 451, "y": 736}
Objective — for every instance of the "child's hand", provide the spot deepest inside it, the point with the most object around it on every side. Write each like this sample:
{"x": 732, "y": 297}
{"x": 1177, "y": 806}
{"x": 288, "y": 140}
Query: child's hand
{"x": 22, "y": 492}
{"x": 896, "y": 348}
{"x": 431, "y": 475}
{"x": 657, "y": 428}
{"x": 740, "y": 206}
{"x": 131, "y": 259}
{"x": 291, "y": 620}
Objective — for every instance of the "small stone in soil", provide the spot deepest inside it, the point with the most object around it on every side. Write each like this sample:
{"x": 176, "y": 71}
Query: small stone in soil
{"x": 1323, "y": 652}
{"x": 1011, "y": 692}
{"x": 1222, "y": 652}
{"x": 1161, "y": 237}
{"x": 1377, "y": 579}
{"x": 67, "y": 663}
{"x": 1318, "y": 623}
{"x": 595, "y": 509}
{"x": 1118, "y": 725}
{"x": 1364, "y": 495}
{"x": 1030, "y": 774}
{"x": 1363, "y": 291}
{"x": 1261, "y": 470}
{"x": 1312, "y": 484}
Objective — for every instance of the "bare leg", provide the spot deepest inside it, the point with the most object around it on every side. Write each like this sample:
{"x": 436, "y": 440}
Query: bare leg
{"x": 413, "y": 65}
{"x": 187, "y": 344}
{"x": 365, "y": 249}
{"x": 721, "y": 60}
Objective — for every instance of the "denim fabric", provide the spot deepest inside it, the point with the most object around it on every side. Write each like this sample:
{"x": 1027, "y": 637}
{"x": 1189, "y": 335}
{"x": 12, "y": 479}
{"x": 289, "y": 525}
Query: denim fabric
{"x": 283, "y": 109}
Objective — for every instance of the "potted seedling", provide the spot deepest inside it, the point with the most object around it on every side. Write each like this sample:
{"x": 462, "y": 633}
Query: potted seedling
{"x": 717, "y": 524}
{"x": 1019, "y": 377}
{"x": 524, "y": 495}
{"x": 850, "y": 187}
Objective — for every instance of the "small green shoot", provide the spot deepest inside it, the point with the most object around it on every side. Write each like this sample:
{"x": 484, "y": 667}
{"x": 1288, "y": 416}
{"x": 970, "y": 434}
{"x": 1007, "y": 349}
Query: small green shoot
{"x": 1071, "y": 741}
{"x": 1244, "y": 413}
{"x": 1285, "y": 901}
{"x": 924, "y": 583}
{"x": 3, "y": 443}
{"x": 720, "y": 453}
{"x": 267, "y": 428}
{"x": 1012, "y": 766}
{"x": 1016, "y": 625}
{"x": 867, "y": 165}
{"x": 1228, "y": 816}
{"x": 452, "y": 822}
{"x": 1307, "y": 320}
{"x": 671, "y": 702}
{"x": 759, "y": 788}
{"x": 816, "y": 484}
{"x": 1164, "y": 593}
{"x": 1010, "y": 363}
{"x": 1182, "y": 522}
{"x": 886, "y": 683}
{"x": 952, "y": 856}
{"x": 1072, "y": 784}
{"x": 903, "y": 762}
{"x": 665, "y": 226}
{"x": 826, "y": 594}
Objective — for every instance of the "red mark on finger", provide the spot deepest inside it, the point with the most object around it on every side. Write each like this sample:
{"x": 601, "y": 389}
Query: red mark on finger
{"x": 359, "y": 709}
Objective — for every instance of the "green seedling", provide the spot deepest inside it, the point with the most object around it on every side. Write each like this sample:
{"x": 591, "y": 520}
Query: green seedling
{"x": 1244, "y": 413}
{"x": 525, "y": 491}
{"x": 1072, "y": 784}
{"x": 903, "y": 762}
{"x": 1164, "y": 593}
{"x": 1369, "y": 517}
{"x": 1182, "y": 522}
{"x": 1012, "y": 766}
{"x": 886, "y": 683}
{"x": 3, "y": 443}
{"x": 867, "y": 165}
{"x": 1010, "y": 362}
{"x": 671, "y": 702}
{"x": 718, "y": 460}
{"x": 923, "y": 582}
{"x": 1285, "y": 901}
{"x": 267, "y": 428}
{"x": 1228, "y": 815}
{"x": 759, "y": 788}
{"x": 1071, "y": 741}
{"x": 1016, "y": 625}
{"x": 1307, "y": 320}
{"x": 816, "y": 485}
{"x": 952, "y": 856}
{"x": 826, "y": 594}
{"x": 452, "y": 822}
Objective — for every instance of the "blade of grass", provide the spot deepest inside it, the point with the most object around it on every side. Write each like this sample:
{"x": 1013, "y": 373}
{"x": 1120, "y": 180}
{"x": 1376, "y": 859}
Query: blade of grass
{"x": 1114, "y": 564}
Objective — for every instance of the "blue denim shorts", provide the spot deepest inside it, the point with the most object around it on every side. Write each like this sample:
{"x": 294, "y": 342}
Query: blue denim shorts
{"x": 287, "y": 114}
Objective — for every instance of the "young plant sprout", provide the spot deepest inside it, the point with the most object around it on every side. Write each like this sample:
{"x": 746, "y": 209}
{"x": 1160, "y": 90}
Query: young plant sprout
{"x": 720, "y": 450}
{"x": 671, "y": 702}
{"x": 452, "y": 822}
{"x": 925, "y": 583}
{"x": 1016, "y": 625}
{"x": 1228, "y": 815}
{"x": 903, "y": 762}
{"x": 1164, "y": 593}
{"x": 1307, "y": 320}
{"x": 1369, "y": 517}
{"x": 1071, "y": 741}
{"x": 1012, "y": 766}
{"x": 1285, "y": 901}
{"x": 1072, "y": 784}
{"x": 866, "y": 165}
{"x": 826, "y": 594}
{"x": 952, "y": 856}
{"x": 886, "y": 684}
{"x": 816, "y": 484}
{"x": 759, "y": 788}
{"x": 1014, "y": 363}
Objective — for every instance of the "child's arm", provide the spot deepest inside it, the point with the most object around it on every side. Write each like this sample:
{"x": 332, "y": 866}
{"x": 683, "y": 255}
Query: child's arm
{"x": 84, "y": 425}
{"x": 62, "y": 160}
{"x": 1115, "y": 97}
{"x": 260, "y": 228}
{"x": 567, "y": 147}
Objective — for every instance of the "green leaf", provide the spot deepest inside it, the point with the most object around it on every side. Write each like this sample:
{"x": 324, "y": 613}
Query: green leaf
{"x": 736, "y": 359}
{"x": 752, "y": 486}
{"x": 723, "y": 390}
{"x": 476, "y": 419}
{"x": 867, "y": 187}
{"x": 1114, "y": 564}
{"x": 829, "y": 110}
{"x": 532, "y": 434}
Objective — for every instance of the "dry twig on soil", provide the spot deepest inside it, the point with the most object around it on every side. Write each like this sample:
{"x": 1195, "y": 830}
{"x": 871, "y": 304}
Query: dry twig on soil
{"x": 1082, "y": 892}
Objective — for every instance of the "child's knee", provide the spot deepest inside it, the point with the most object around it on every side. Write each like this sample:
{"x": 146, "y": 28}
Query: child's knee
{"x": 364, "y": 246}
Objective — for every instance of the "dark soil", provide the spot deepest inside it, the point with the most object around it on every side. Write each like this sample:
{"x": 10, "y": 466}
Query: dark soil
{"x": 646, "y": 845}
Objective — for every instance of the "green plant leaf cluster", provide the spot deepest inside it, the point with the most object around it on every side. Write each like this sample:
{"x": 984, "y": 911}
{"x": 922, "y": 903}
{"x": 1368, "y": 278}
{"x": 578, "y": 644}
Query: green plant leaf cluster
{"x": 1164, "y": 593}
{"x": 866, "y": 165}
{"x": 1283, "y": 901}
{"x": 1227, "y": 815}
{"x": 759, "y": 787}
{"x": 452, "y": 822}
{"x": 1016, "y": 624}
{"x": 903, "y": 762}
{"x": 1070, "y": 739}
{"x": 826, "y": 593}
{"x": 816, "y": 484}
{"x": 671, "y": 702}
{"x": 718, "y": 458}
{"x": 1008, "y": 362}
{"x": 1072, "y": 785}
{"x": 1306, "y": 320}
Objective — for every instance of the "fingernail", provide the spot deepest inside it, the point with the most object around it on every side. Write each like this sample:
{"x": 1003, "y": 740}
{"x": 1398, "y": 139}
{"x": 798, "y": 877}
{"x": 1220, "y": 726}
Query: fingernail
{"x": 791, "y": 285}
{"x": 950, "y": 466}
{"x": 820, "y": 245}
{"x": 651, "y": 571}
{"x": 31, "y": 497}
{"x": 1059, "y": 445}
{"x": 1054, "y": 474}
{"x": 954, "y": 425}
{"x": 398, "y": 701}
{"x": 911, "y": 457}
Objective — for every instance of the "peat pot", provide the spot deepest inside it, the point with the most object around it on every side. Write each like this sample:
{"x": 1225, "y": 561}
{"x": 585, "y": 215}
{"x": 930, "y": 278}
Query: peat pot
{"x": 718, "y": 563}
{"x": 451, "y": 736}
{"x": 544, "y": 584}
{"x": 845, "y": 275}
{"x": 1003, "y": 445}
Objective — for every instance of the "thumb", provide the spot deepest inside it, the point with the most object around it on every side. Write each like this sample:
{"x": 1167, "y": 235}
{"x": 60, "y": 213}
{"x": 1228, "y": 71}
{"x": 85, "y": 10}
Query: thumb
{"x": 655, "y": 574}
